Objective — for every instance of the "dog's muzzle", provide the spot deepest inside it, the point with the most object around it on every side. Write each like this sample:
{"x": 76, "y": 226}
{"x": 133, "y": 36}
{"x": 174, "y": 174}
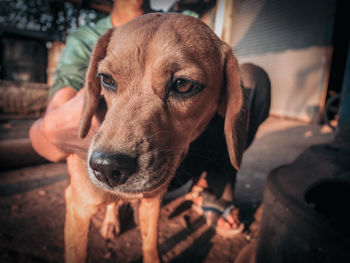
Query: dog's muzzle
{"x": 112, "y": 169}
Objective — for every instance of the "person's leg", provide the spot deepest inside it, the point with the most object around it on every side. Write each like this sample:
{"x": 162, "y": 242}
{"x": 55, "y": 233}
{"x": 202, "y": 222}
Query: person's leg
{"x": 258, "y": 92}
{"x": 257, "y": 85}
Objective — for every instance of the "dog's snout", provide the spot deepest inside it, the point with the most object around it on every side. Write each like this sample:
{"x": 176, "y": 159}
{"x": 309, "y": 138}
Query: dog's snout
{"x": 112, "y": 169}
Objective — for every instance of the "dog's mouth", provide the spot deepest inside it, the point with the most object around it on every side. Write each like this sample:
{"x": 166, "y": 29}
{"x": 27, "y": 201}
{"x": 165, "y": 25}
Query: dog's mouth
{"x": 132, "y": 185}
{"x": 132, "y": 178}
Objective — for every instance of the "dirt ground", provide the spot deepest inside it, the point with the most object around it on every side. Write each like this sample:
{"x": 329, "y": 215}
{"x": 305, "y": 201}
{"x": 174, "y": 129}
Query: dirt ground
{"x": 32, "y": 208}
{"x": 32, "y": 218}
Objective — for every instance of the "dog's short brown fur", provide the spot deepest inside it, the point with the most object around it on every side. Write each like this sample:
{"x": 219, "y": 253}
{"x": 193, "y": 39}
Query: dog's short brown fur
{"x": 171, "y": 74}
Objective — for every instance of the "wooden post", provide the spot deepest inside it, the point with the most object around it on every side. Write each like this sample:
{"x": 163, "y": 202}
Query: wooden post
{"x": 224, "y": 20}
{"x": 55, "y": 53}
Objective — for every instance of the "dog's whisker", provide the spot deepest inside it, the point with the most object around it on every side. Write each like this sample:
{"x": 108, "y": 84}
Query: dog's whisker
{"x": 156, "y": 133}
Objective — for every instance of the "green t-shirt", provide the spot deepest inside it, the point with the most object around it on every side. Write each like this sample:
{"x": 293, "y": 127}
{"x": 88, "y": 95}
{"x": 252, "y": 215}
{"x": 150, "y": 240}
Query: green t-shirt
{"x": 76, "y": 55}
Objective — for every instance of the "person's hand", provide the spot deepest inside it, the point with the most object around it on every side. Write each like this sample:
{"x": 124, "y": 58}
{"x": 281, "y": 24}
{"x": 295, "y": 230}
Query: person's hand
{"x": 55, "y": 136}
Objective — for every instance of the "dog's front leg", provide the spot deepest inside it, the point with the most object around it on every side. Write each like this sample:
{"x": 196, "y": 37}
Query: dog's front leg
{"x": 148, "y": 220}
{"x": 81, "y": 204}
{"x": 76, "y": 229}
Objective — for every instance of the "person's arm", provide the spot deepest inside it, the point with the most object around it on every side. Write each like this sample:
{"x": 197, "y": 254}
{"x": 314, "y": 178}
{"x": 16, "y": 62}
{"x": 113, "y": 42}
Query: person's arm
{"x": 61, "y": 97}
{"x": 41, "y": 132}
{"x": 55, "y": 135}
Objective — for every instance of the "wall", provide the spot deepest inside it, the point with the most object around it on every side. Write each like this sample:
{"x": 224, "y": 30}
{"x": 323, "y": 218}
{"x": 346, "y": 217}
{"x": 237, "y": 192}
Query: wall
{"x": 291, "y": 40}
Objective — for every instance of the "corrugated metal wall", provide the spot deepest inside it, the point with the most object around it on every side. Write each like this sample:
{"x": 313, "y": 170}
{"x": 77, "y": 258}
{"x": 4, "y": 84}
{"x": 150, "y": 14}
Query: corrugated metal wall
{"x": 291, "y": 40}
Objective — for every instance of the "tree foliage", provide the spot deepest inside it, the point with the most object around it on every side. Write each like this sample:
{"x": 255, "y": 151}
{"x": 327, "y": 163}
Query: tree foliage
{"x": 44, "y": 15}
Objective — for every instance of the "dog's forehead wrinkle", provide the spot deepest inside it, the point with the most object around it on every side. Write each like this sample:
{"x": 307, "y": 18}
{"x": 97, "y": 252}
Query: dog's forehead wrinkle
{"x": 140, "y": 58}
{"x": 125, "y": 58}
{"x": 143, "y": 50}
{"x": 177, "y": 33}
{"x": 193, "y": 59}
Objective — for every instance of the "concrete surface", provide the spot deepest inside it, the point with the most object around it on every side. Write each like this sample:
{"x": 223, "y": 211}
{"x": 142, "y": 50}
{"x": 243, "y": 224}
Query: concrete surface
{"x": 278, "y": 141}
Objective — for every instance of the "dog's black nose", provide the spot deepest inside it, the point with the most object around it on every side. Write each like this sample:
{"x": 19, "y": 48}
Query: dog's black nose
{"x": 112, "y": 169}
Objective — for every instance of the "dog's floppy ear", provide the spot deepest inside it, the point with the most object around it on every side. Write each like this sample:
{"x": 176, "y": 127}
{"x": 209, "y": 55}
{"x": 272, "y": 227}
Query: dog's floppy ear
{"x": 233, "y": 107}
{"x": 92, "y": 84}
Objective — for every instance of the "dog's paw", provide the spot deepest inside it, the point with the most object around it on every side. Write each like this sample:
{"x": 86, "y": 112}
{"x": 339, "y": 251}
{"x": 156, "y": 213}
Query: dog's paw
{"x": 110, "y": 230}
{"x": 111, "y": 226}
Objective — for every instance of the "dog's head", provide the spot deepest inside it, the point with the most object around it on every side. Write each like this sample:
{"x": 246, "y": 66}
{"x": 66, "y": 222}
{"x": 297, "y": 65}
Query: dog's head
{"x": 163, "y": 76}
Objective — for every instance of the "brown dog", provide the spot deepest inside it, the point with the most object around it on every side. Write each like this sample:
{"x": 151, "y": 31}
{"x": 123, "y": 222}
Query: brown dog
{"x": 164, "y": 78}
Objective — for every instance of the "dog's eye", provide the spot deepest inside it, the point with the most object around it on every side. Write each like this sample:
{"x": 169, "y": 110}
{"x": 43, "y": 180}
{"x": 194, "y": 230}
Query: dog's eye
{"x": 185, "y": 87}
{"x": 107, "y": 81}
